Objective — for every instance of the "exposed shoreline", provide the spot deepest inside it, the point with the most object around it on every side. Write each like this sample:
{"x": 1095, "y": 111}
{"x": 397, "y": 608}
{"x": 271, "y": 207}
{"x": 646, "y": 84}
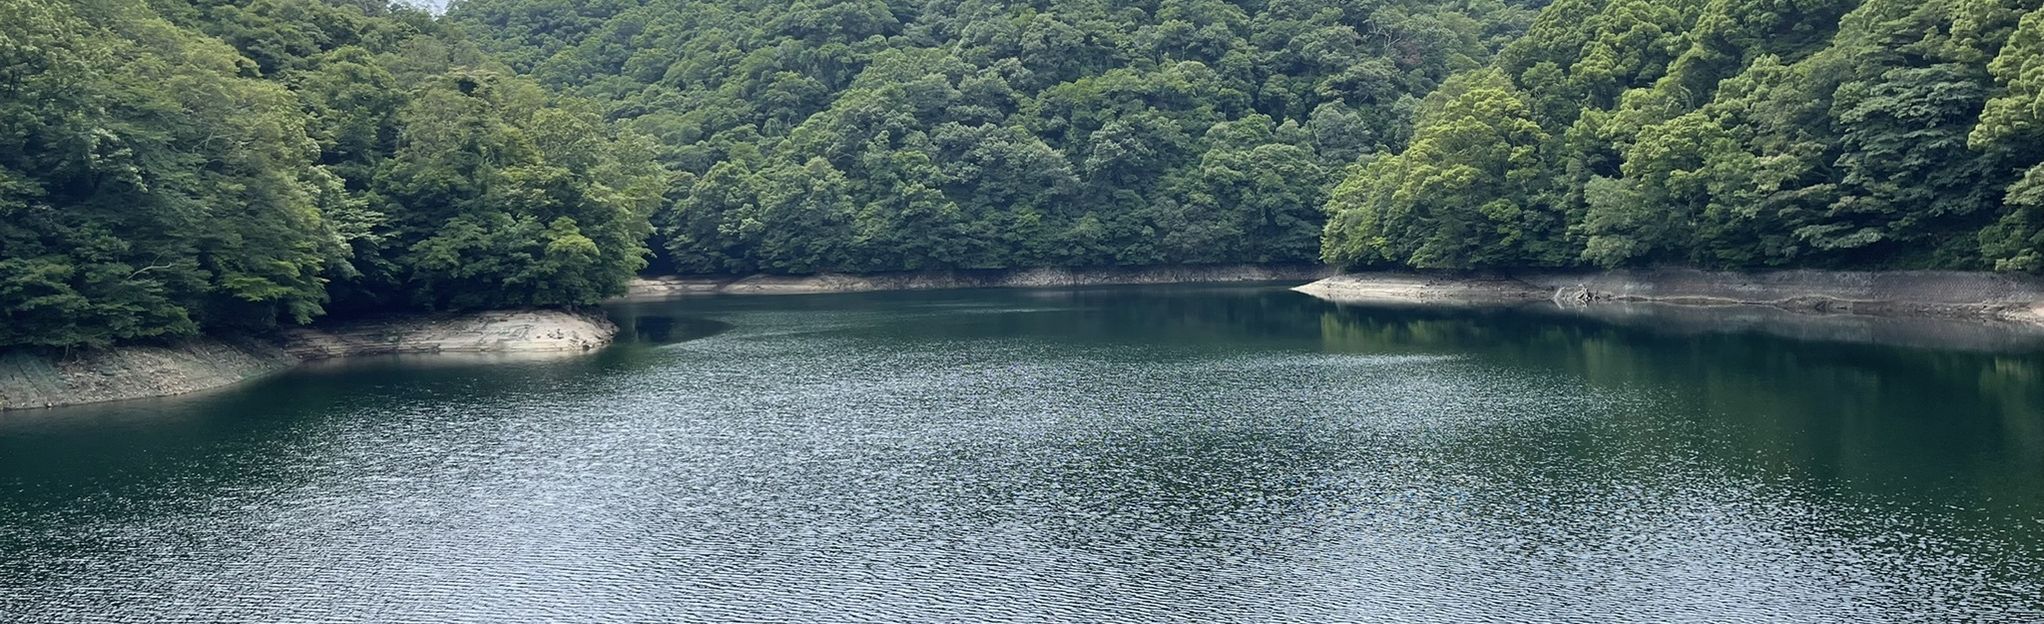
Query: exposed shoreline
{"x": 824, "y": 283}
{"x": 31, "y": 381}
{"x": 1912, "y": 294}
{"x": 499, "y": 331}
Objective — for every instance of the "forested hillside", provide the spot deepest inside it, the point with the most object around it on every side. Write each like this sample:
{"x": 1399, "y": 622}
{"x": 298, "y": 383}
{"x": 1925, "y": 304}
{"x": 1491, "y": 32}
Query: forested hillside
{"x": 173, "y": 166}
{"x": 1725, "y": 133}
{"x": 872, "y": 135}
{"x": 169, "y": 167}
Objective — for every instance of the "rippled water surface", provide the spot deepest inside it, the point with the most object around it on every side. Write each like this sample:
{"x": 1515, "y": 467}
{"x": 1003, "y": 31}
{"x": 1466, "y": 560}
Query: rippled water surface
{"x": 1202, "y": 454}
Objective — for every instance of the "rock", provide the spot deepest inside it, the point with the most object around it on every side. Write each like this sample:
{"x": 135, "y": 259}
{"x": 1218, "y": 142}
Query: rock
{"x": 1922, "y": 294}
{"x": 30, "y": 380}
{"x": 33, "y": 380}
{"x": 1430, "y": 289}
{"x": 996, "y": 278}
{"x": 512, "y": 331}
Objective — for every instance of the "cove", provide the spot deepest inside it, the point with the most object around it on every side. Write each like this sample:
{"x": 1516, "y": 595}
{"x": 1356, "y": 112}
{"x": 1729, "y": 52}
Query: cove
{"x": 1222, "y": 453}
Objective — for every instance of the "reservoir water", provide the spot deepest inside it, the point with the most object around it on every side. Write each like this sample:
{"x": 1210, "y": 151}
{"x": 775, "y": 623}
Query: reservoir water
{"x": 1129, "y": 454}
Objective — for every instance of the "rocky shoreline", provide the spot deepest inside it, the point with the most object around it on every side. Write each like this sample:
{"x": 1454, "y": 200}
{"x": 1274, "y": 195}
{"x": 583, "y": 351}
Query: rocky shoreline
{"x": 506, "y": 331}
{"x": 30, "y": 380}
{"x": 991, "y": 278}
{"x": 1918, "y": 294}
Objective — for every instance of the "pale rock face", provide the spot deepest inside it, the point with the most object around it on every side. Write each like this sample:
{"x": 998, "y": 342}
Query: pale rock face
{"x": 993, "y": 278}
{"x": 134, "y": 372}
{"x": 514, "y": 331}
{"x": 1917, "y": 294}
{"x": 141, "y": 371}
{"x": 1421, "y": 288}
{"x": 2034, "y": 314}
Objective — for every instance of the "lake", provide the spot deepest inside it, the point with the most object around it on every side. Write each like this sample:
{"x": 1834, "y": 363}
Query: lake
{"x": 1238, "y": 453}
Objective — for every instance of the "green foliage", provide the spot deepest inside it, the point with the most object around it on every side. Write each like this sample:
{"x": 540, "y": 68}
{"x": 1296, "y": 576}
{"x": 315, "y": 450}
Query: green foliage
{"x": 2012, "y": 127}
{"x": 1464, "y": 195}
{"x": 1734, "y": 134}
{"x": 885, "y": 136}
{"x": 499, "y": 200}
{"x": 176, "y": 167}
{"x": 146, "y": 186}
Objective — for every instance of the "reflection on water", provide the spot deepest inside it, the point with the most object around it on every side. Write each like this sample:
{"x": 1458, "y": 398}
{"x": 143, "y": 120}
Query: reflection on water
{"x": 637, "y": 324}
{"x": 1943, "y": 334}
{"x": 1234, "y": 454}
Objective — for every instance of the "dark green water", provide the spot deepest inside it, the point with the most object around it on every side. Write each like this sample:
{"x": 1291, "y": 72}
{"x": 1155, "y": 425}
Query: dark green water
{"x": 1203, "y": 454}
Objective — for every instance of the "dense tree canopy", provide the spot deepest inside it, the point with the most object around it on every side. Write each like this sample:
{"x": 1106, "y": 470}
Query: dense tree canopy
{"x": 184, "y": 165}
{"x": 881, "y": 135}
{"x": 1729, "y": 134}
{"x": 176, "y": 166}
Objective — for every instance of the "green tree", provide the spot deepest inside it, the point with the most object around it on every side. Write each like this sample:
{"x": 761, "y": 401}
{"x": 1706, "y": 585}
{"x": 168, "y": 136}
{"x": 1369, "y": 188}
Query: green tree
{"x": 1461, "y": 196}
{"x": 147, "y": 189}
{"x": 2011, "y": 127}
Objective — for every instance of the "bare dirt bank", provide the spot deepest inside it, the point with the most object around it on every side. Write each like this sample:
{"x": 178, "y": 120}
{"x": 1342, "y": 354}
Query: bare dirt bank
{"x": 1927, "y": 294}
{"x": 509, "y": 331}
{"x": 133, "y": 372}
{"x": 1422, "y": 288}
{"x": 33, "y": 380}
{"x": 1001, "y": 278}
